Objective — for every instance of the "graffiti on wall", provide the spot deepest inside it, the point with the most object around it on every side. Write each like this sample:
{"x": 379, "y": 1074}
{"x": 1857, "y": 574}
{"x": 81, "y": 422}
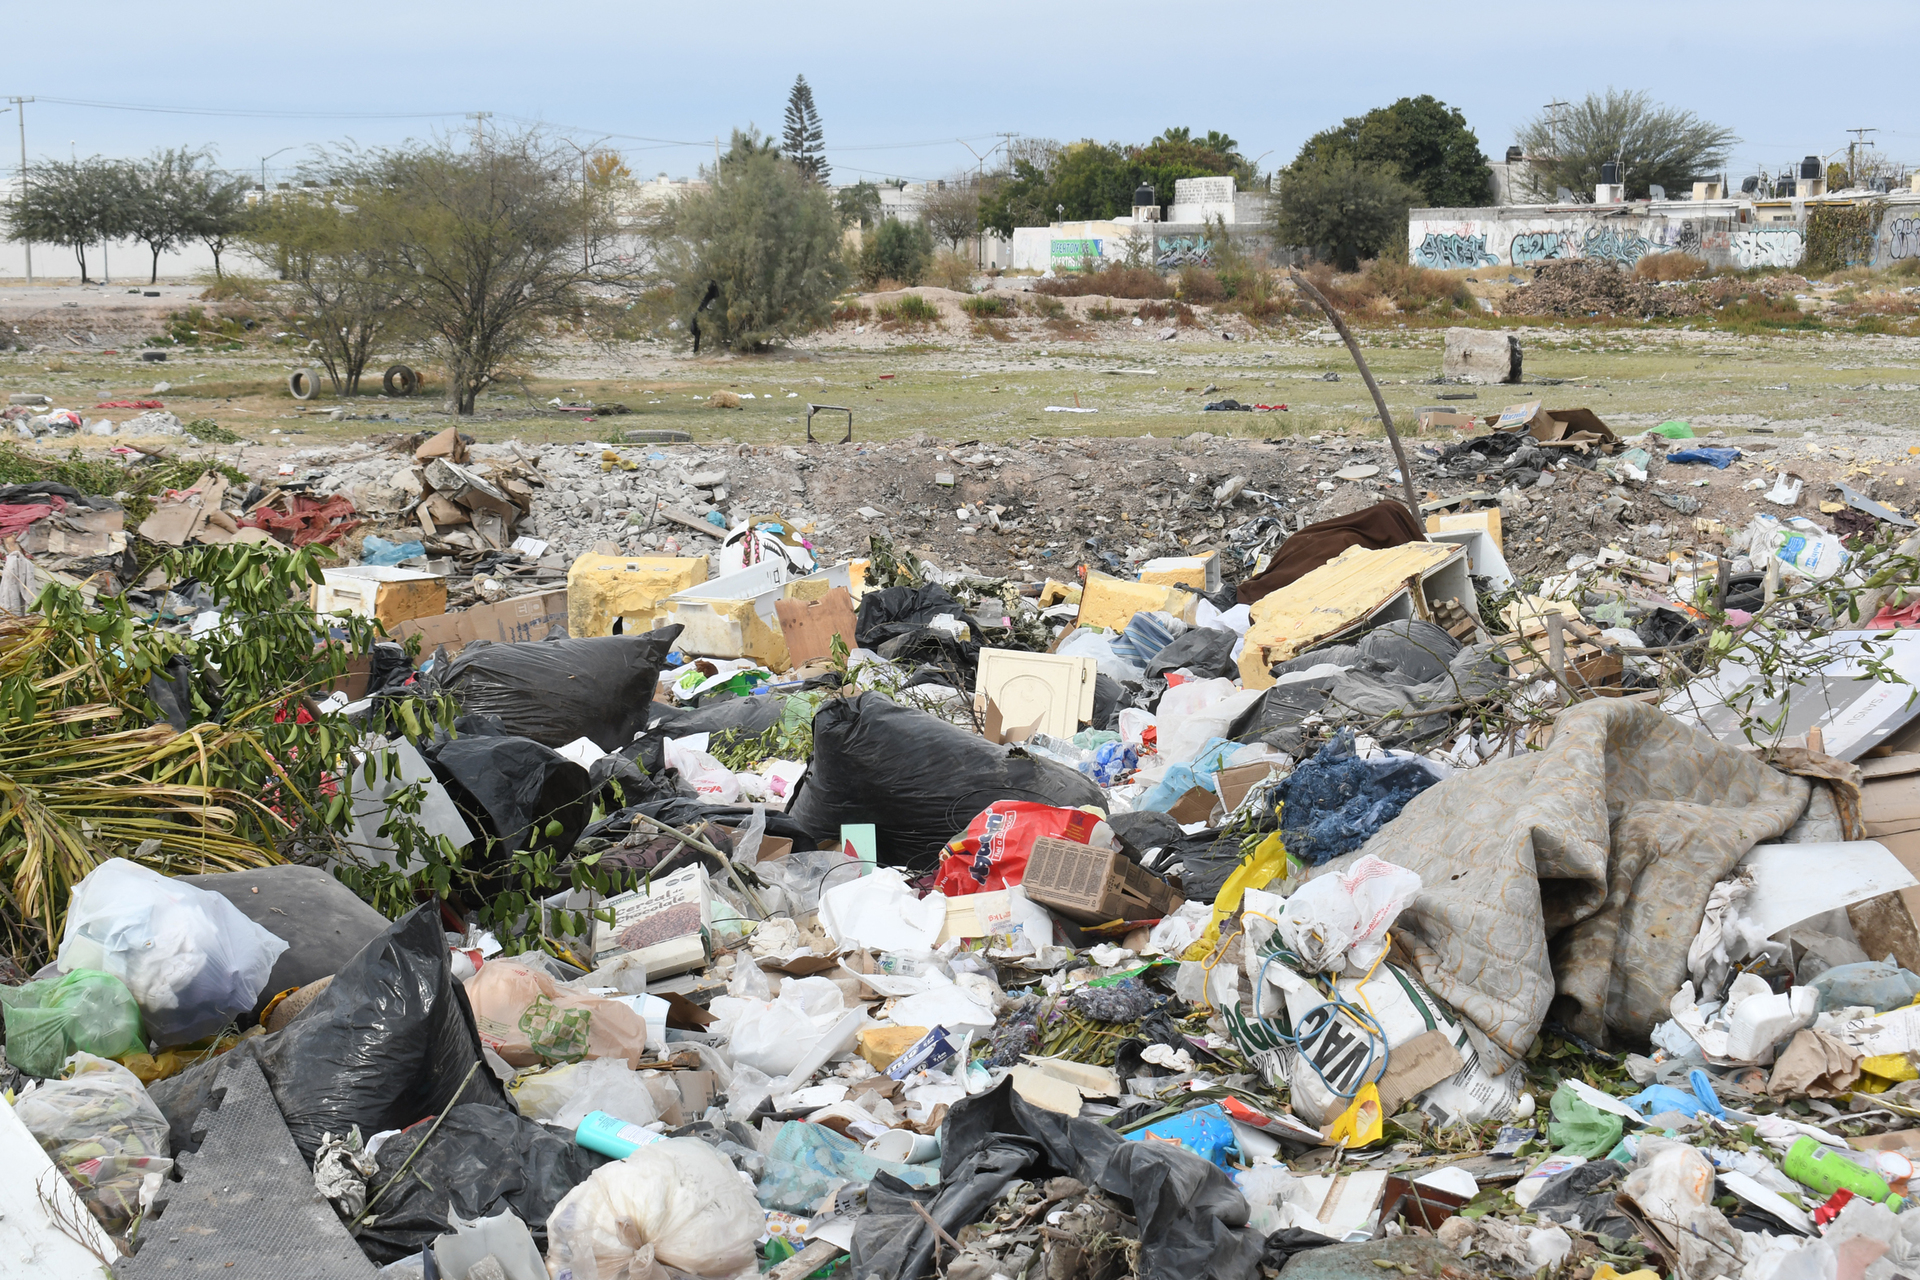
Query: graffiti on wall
{"x": 1903, "y": 238}
{"x": 1537, "y": 246}
{"x": 1184, "y": 251}
{"x": 1772, "y": 248}
{"x": 1072, "y": 252}
{"x": 1609, "y": 245}
{"x": 1451, "y": 252}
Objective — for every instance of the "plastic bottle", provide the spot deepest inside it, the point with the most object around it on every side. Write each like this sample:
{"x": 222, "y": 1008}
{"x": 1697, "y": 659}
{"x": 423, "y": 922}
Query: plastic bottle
{"x": 1825, "y": 1170}
{"x": 612, "y": 1136}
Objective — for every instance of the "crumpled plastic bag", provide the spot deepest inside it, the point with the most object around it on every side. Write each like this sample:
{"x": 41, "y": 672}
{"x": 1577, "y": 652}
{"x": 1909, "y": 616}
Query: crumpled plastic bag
{"x": 674, "y": 1203}
{"x": 713, "y": 781}
{"x": 527, "y": 1018}
{"x": 1672, "y": 1186}
{"x": 1879, "y": 984}
{"x": 564, "y": 1095}
{"x": 85, "y": 1011}
{"x": 1578, "y": 1128}
{"x": 880, "y": 912}
{"x": 1342, "y": 919}
{"x": 106, "y": 1135}
{"x": 775, "y": 1036}
{"x": 192, "y": 961}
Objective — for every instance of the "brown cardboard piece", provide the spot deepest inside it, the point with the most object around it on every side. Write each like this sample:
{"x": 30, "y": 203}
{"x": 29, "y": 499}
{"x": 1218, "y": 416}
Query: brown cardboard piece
{"x": 1234, "y": 784}
{"x": 523, "y": 618}
{"x": 1890, "y": 807}
{"x": 1195, "y": 806}
{"x": 1093, "y": 886}
{"x": 1435, "y": 419}
{"x": 1415, "y": 1067}
{"x": 684, "y": 1015}
{"x": 1559, "y": 428}
{"x": 447, "y": 444}
{"x": 811, "y": 625}
{"x": 995, "y": 730}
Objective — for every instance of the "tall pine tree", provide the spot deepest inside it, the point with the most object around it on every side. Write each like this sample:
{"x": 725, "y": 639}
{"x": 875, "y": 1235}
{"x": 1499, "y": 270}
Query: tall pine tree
{"x": 801, "y": 140}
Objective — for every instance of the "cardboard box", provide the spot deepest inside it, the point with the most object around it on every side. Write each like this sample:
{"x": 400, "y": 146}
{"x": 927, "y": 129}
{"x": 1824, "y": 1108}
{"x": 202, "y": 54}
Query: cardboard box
{"x": 631, "y": 589}
{"x": 665, "y": 922}
{"x": 1448, "y": 420}
{"x": 387, "y": 592}
{"x": 1195, "y": 806}
{"x": 523, "y": 618}
{"x": 809, "y": 626}
{"x": 1094, "y": 886}
{"x": 1556, "y": 427}
{"x": 1890, "y": 807}
{"x": 1232, "y": 785}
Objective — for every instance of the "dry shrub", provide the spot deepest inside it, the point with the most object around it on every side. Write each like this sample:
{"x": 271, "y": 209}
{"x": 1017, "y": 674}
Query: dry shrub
{"x": 1581, "y": 287}
{"x": 1346, "y": 293}
{"x": 1154, "y": 311}
{"x": 857, "y": 313}
{"x": 987, "y": 304}
{"x": 1183, "y": 315}
{"x": 1414, "y": 288}
{"x": 1047, "y": 307}
{"x": 1113, "y": 281}
{"x": 1198, "y": 284}
{"x": 1659, "y": 267}
{"x": 887, "y": 284}
{"x": 950, "y": 271}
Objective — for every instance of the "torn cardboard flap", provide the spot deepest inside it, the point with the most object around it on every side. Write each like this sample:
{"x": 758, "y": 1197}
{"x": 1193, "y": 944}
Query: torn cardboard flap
{"x": 810, "y": 626}
{"x": 1563, "y": 427}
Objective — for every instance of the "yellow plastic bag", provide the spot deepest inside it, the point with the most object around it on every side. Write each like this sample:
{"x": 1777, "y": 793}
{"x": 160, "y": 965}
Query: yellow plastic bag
{"x": 1361, "y": 1123}
{"x": 1267, "y": 863}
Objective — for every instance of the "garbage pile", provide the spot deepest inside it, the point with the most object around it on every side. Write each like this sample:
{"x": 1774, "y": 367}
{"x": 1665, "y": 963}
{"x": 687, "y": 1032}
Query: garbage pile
{"x": 1337, "y": 910}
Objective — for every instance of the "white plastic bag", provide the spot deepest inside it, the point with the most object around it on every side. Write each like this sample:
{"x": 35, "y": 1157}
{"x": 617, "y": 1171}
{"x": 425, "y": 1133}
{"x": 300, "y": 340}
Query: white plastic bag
{"x": 1340, "y": 921}
{"x": 565, "y": 1094}
{"x": 673, "y": 1203}
{"x": 713, "y": 780}
{"x": 192, "y": 961}
{"x": 879, "y": 912}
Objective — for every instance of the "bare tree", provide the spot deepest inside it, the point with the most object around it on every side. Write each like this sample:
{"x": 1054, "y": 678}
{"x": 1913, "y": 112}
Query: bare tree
{"x": 952, "y": 212}
{"x": 489, "y": 240}
{"x": 344, "y": 290}
{"x": 1651, "y": 143}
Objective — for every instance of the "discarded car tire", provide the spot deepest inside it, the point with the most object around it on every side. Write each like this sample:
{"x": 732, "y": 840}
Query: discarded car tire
{"x": 400, "y": 381}
{"x": 301, "y": 384}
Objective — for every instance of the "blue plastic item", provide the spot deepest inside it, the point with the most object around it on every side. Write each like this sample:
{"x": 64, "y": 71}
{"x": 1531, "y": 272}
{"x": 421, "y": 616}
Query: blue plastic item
{"x": 1712, "y": 457}
{"x": 377, "y": 550}
{"x": 1334, "y": 802}
{"x": 1703, "y": 1090}
{"x": 612, "y": 1136}
{"x": 1658, "y": 1098}
{"x": 1880, "y": 984}
{"x": 1110, "y": 760}
{"x": 1204, "y": 1131}
{"x": 717, "y": 520}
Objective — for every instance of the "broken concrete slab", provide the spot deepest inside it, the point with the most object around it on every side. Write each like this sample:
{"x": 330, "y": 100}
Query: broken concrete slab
{"x": 1475, "y": 355}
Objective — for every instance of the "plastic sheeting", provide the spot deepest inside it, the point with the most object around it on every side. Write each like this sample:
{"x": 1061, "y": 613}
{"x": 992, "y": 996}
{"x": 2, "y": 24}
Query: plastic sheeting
{"x": 554, "y": 691}
{"x": 513, "y": 787}
{"x": 1581, "y": 870}
{"x": 917, "y": 779}
{"x": 1205, "y": 651}
{"x": 892, "y": 612}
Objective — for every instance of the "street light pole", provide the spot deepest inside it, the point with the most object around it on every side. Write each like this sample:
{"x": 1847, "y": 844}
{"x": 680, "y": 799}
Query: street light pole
{"x": 263, "y": 171}
{"x": 20, "y": 105}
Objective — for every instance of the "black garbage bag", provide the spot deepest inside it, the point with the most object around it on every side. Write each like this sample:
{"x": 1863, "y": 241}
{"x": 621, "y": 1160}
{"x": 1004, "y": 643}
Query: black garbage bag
{"x": 1586, "y": 1193}
{"x": 389, "y": 1041}
{"x": 1332, "y": 803}
{"x": 513, "y": 787}
{"x": 481, "y": 1162}
{"x": 1206, "y": 859}
{"x": 171, "y": 688}
{"x": 685, "y": 811}
{"x": 1191, "y": 1217}
{"x": 917, "y": 779}
{"x": 1205, "y": 651}
{"x": 1144, "y": 830}
{"x": 554, "y": 691}
{"x": 895, "y": 611}
{"x": 1409, "y": 651}
{"x": 323, "y": 923}
{"x": 955, "y": 660}
{"x": 1108, "y": 698}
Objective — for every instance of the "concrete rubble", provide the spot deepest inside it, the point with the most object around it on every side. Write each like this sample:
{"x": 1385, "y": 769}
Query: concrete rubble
{"x": 1050, "y": 858}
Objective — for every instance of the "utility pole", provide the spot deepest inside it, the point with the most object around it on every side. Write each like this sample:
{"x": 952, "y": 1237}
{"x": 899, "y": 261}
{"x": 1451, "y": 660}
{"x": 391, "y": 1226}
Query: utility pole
{"x": 1859, "y": 140}
{"x": 1553, "y": 110}
{"x": 20, "y": 106}
{"x": 479, "y": 119}
{"x": 1006, "y": 140}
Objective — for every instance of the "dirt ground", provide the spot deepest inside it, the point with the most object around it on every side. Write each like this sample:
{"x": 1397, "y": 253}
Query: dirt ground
{"x": 988, "y": 405}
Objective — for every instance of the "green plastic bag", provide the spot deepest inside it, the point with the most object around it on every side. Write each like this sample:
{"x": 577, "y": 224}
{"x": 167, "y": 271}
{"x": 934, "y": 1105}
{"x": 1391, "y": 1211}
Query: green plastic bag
{"x": 1675, "y": 430}
{"x": 85, "y": 1011}
{"x": 1578, "y": 1128}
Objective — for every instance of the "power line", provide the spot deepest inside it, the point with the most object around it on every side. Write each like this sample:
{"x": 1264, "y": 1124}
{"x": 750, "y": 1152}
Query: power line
{"x": 252, "y": 114}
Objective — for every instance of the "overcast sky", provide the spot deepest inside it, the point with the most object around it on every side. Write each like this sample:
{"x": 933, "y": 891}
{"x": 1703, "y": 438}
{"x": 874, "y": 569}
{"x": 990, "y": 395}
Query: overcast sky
{"x": 898, "y": 84}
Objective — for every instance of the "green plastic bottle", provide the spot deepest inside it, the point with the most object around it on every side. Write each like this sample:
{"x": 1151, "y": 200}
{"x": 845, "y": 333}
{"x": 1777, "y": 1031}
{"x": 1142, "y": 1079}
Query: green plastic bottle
{"x": 1824, "y": 1169}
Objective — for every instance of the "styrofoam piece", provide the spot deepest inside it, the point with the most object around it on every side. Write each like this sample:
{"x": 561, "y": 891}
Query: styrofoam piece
{"x": 1053, "y": 694}
{"x": 1794, "y": 882}
{"x": 245, "y": 1204}
{"x": 714, "y": 617}
{"x": 1484, "y": 559}
{"x": 32, "y": 1245}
